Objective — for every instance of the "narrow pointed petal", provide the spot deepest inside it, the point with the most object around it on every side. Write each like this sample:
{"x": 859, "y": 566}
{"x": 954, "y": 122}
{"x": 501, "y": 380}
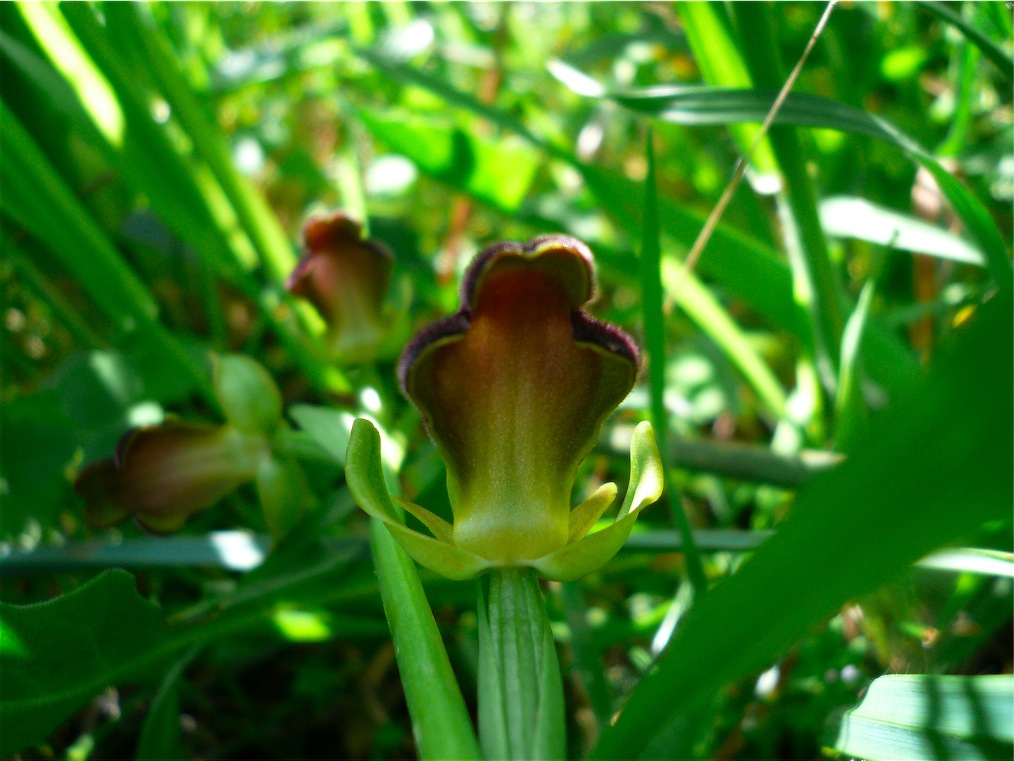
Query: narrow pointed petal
{"x": 440, "y": 528}
{"x": 364, "y": 474}
{"x": 446, "y": 559}
{"x": 584, "y": 516}
{"x": 595, "y": 550}
{"x": 647, "y": 479}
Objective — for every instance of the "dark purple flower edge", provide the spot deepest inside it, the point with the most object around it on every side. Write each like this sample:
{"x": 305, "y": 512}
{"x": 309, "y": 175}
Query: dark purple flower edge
{"x": 586, "y": 329}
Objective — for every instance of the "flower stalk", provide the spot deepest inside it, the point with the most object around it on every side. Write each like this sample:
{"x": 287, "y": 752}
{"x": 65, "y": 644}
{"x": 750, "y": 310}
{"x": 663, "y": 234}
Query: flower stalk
{"x": 521, "y": 712}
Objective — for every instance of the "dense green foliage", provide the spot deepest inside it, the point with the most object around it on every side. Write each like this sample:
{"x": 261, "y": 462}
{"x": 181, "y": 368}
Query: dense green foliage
{"x": 831, "y": 385}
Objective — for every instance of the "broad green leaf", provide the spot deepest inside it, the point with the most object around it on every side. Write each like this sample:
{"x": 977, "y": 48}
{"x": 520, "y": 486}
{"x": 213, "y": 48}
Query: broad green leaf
{"x": 850, "y": 217}
{"x": 440, "y": 721}
{"x": 329, "y": 427}
{"x": 38, "y": 449}
{"x": 58, "y": 655}
{"x": 63, "y": 652}
{"x": 938, "y": 463}
{"x": 918, "y": 716}
{"x": 498, "y": 173}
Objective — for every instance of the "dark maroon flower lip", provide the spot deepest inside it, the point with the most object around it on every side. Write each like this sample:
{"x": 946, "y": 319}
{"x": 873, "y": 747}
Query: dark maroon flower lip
{"x": 534, "y": 248}
{"x": 330, "y": 232}
{"x": 586, "y": 329}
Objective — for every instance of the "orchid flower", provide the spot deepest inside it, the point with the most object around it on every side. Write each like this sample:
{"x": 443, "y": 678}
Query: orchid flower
{"x": 513, "y": 389}
{"x": 163, "y": 474}
{"x": 346, "y": 278}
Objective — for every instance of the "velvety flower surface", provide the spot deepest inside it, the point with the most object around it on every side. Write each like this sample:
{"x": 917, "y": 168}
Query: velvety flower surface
{"x": 161, "y": 475}
{"x": 513, "y": 389}
{"x": 346, "y": 278}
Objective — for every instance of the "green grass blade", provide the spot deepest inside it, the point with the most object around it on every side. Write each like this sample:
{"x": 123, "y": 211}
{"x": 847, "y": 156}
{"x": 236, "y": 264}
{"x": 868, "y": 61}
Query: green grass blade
{"x": 654, "y": 338}
{"x": 188, "y": 198}
{"x": 160, "y": 735}
{"x": 817, "y": 290}
{"x": 918, "y": 716}
{"x": 976, "y": 219}
{"x": 49, "y": 208}
{"x": 257, "y": 218}
{"x": 917, "y": 463}
{"x": 853, "y": 217}
{"x": 32, "y": 277}
{"x": 996, "y": 54}
{"x": 849, "y": 403}
{"x": 715, "y": 321}
{"x": 440, "y": 720}
{"x": 703, "y": 106}
{"x": 718, "y": 57}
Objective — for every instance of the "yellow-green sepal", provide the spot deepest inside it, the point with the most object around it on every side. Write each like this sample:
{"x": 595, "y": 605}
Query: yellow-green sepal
{"x": 594, "y": 550}
{"x": 364, "y": 474}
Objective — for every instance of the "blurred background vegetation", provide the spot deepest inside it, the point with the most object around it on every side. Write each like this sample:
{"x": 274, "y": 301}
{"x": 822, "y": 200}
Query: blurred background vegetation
{"x": 159, "y": 162}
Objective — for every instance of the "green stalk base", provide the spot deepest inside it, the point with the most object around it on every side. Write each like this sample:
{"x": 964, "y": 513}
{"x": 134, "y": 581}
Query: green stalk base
{"x": 521, "y": 714}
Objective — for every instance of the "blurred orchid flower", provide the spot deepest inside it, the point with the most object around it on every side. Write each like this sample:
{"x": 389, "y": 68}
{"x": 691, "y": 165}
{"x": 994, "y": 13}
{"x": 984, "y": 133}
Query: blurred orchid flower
{"x": 513, "y": 389}
{"x": 163, "y": 474}
{"x": 347, "y": 279}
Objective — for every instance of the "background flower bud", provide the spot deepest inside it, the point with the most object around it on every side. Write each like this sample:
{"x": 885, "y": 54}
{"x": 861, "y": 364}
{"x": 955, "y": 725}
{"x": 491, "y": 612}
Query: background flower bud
{"x": 347, "y": 279}
{"x": 284, "y": 493}
{"x": 164, "y": 474}
{"x": 249, "y": 397}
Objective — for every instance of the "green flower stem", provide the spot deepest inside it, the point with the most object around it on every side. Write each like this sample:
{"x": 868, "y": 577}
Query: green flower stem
{"x": 521, "y": 712}
{"x": 440, "y": 720}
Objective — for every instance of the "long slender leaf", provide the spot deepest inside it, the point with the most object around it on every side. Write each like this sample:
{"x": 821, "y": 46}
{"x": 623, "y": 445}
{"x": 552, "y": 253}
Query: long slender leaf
{"x": 851, "y": 217}
{"x": 817, "y": 290}
{"x": 918, "y": 462}
{"x": 440, "y": 720}
{"x": 996, "y": 54}
{"x": 919, "y": 716}
{"x": 702, "y": 106}
{"x": 654, "y": 337}
{"x": 257, "y": 219}
{"x": 719, "y": 57}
